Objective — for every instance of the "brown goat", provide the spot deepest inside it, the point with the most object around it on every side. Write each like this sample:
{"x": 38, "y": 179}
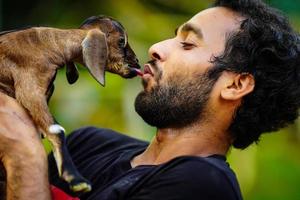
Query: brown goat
{"x": 29, "y": 59}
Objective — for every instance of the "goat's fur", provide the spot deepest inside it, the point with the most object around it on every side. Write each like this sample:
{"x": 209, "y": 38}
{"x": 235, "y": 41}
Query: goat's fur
{"x": 29, "y": 59}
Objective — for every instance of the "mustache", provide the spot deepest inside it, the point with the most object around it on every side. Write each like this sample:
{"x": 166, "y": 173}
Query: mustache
{"x": 153, "y": 64}
{"x": 156, "y": 69}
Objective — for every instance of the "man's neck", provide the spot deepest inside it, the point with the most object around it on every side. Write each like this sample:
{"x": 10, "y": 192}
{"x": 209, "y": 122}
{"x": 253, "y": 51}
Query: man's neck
{"x": 194, "y": 140}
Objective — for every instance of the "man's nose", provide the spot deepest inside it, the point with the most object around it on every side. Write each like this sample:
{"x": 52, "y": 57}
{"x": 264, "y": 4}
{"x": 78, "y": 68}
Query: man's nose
{"x": 158, "y": 51}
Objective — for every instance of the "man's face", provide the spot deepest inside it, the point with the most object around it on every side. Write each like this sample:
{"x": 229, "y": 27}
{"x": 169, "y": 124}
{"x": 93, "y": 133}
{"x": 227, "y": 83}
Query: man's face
{"x": 176, "y": 87}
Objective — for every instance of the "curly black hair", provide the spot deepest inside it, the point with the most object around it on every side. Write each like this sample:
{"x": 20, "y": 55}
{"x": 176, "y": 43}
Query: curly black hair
{"x": 267, "y": 47}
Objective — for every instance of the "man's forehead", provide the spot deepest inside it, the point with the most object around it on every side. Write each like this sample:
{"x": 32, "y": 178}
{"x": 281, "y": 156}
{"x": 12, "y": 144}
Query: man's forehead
{"x": 217, "y": 12}
{"x": 217, "y": 17}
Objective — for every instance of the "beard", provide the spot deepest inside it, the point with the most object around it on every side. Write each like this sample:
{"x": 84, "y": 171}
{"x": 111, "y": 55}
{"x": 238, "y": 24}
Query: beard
{"x": 178, "y": 102}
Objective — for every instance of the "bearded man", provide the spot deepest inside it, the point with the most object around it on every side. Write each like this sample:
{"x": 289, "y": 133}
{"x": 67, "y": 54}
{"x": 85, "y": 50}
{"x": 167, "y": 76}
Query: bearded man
{"x": 231, "y": 73}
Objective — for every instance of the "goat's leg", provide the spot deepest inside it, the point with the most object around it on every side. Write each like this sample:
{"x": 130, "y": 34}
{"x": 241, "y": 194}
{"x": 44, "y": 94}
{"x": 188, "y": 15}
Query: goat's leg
{"x": 65, "y": 164}
{"x": 33, "y": 99}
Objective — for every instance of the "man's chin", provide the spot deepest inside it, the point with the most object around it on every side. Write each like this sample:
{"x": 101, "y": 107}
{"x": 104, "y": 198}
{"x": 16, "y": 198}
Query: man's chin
{"x": 174, "y": 103}
{"x": 154, "y": 114}
{"x": 143, "y": 109}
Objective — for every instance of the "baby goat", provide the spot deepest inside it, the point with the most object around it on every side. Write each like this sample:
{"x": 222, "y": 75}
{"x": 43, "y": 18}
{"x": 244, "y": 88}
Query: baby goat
{"x": 29, "y": 59}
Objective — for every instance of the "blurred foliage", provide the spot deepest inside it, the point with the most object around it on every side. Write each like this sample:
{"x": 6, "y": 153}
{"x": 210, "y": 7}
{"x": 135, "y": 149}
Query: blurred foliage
{"x": 270, "y": 170}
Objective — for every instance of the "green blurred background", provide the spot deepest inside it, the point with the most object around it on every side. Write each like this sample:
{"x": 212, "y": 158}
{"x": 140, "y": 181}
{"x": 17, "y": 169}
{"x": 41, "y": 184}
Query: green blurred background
{"x": 270, "y": 170}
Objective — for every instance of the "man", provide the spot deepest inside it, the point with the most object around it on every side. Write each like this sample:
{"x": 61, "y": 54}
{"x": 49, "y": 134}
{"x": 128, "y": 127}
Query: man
{"x": 231, "y": 73}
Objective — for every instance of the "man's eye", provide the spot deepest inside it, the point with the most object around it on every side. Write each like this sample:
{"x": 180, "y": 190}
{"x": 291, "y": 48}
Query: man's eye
{"x": 187, "y": 45}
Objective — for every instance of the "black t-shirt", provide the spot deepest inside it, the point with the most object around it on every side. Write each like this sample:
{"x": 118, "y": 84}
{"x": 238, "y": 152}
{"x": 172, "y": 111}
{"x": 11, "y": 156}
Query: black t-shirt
{"x": 103, "y": 156}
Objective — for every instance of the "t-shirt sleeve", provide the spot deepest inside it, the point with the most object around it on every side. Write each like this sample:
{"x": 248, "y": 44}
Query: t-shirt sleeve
{"x": 195, "y": 180}
{"x": 83, "y": 144}
{"x": 78, "y": 143}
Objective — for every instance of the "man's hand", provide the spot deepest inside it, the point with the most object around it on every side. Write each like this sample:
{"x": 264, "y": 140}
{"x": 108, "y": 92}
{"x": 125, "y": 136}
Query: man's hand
{"x": 22, "y": 153}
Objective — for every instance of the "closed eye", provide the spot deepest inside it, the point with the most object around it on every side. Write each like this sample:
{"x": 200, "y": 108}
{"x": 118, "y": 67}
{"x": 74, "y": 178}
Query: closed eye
{"x": 187, "y": 46}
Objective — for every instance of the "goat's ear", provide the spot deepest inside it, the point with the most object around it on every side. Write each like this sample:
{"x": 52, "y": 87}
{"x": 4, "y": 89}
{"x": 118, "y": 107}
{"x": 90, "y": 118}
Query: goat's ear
{"x": 95, "y": 54}
{"x": 72, "y": 72}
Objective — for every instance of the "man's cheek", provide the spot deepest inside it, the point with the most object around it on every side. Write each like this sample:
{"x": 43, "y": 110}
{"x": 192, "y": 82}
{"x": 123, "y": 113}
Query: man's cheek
{"x": 149, "y": 83}
{"x": 200, "y": 58}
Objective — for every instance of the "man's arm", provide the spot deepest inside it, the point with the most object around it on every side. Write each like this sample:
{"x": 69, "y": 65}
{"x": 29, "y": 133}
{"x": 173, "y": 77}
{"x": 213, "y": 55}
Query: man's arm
{"x": 22, "y": 153}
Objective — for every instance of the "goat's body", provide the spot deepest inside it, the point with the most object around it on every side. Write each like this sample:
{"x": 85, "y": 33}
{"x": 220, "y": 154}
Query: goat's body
{"x": 29, "y": 60}
{"x": 30, "y": 49}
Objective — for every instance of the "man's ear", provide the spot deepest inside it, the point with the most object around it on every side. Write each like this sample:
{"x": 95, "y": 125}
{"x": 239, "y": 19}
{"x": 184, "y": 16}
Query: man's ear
{"x": 237, "y": 85}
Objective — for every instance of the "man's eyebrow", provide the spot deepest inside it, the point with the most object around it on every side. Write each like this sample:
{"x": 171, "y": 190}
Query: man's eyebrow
{"x": 188, "y": 27}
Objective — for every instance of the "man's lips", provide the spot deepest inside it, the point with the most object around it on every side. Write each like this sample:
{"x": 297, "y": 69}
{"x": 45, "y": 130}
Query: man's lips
{"x": 147, "y": 70}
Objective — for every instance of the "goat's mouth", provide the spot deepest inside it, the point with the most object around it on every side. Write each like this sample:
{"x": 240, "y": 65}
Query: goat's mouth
{"x": 134, "y": 70}
{"x": 128, "y": 70}
{"x": 138, "y": 72}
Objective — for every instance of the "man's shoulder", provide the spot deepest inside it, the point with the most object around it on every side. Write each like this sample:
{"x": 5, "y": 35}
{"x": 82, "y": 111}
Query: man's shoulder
{"x": 92, "y": 131}
{"x": 211, "y": 166}
{"x": 87, "y": 142}
{"x": 190, "y": 167}
{"x": 93, "y": 135}
{"x": 197, "y": 175}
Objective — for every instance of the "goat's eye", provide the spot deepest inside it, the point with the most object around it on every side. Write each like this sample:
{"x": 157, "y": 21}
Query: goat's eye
{"x": 122, "y": 42}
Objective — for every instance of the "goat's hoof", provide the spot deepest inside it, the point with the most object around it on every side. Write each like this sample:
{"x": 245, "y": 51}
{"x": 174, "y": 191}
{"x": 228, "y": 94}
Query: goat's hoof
{"x": 77, "y": 186}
